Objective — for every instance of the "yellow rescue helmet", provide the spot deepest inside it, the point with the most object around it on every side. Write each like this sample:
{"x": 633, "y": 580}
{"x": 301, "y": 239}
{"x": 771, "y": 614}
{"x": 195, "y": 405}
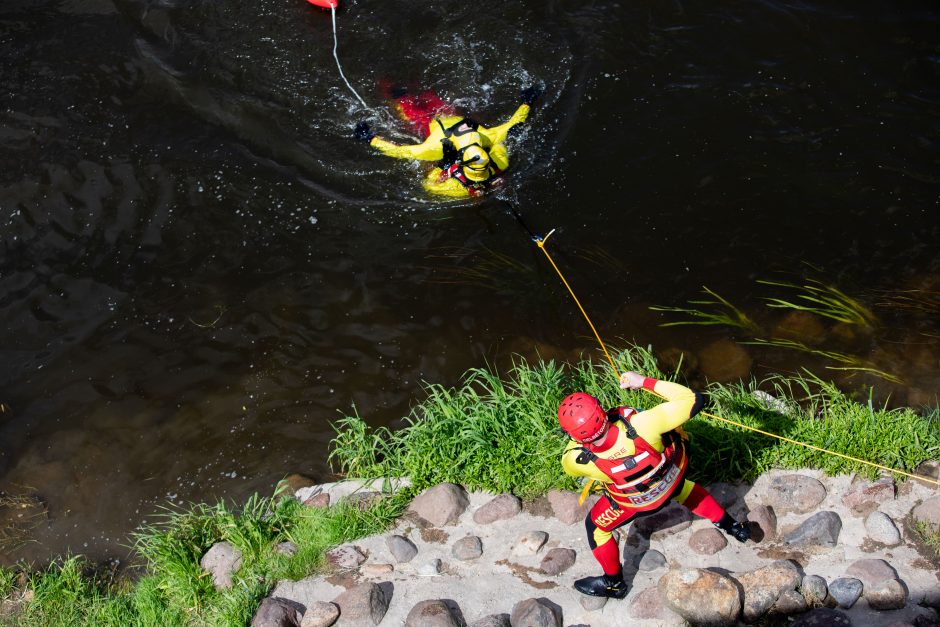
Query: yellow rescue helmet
{"x": 476, "y": 163}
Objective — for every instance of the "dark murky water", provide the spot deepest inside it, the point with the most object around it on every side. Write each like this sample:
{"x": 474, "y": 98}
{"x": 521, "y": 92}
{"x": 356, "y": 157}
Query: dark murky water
{"x": 199, "y": 269}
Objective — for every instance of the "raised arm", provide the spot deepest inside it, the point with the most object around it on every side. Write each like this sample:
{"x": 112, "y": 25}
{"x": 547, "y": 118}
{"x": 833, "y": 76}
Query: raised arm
{"x": 681, "y": 404}
{"x": 430, "y": 149}
{"x": 497, "y": 134}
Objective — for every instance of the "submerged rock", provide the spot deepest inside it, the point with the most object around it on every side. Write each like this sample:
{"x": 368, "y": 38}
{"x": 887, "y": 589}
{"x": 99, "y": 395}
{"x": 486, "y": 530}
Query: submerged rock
{"x": 724, "y": 360}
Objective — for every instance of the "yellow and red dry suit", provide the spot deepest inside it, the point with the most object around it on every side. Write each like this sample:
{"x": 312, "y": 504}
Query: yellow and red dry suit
{"x": 641, "y": 462}
{"x": 470, "y": 156}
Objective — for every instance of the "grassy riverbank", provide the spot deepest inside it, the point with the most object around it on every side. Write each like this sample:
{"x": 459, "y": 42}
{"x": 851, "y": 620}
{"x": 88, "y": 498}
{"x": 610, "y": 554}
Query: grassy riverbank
{"x": 493, "y": 432}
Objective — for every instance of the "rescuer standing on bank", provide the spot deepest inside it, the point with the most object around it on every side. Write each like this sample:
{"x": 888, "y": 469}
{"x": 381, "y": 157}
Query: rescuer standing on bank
{"x": 640, "y": 457}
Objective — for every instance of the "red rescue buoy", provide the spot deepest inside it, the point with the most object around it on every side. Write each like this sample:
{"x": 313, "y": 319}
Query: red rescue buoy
{"x": 325, "y": 4}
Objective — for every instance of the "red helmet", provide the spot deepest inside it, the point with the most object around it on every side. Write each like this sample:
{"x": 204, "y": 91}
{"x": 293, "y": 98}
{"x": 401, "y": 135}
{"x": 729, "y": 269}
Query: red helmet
{"x": 582, "y": 417}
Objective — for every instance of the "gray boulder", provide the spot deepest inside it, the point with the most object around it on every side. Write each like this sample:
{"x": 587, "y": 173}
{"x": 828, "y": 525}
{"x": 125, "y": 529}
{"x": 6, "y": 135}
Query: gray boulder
{"x": 820, "y": 529}
{"x": 441, "y": 505}
{"x": 565, "y": 506}
{"x": 707, "y": 541}
{"x": 221, "y": 561}
{"x": 787, "y": 493}
{"x": 276, "y": 612}
{"x": 867, "y": 496}
{"x": 929, "y": 469}
{"x": 320, "y": 614}
{"x": 814, "y": 589}
{"x": 763, "y": 587}
{"x": 928, "y": 512}
{"x": 789, "y": 602}
{"x": 845, "y": 591}
{"x": 432, "y": 613}
{"x": 492, "y": 620}
{"x": 886, "y": 595}
{"x": 881, "y": 528}
{"x": 701, "y": 597}
{"x": 592, "y": 604}
{"x": 557, "y": 561}
{"x": 765, "y": 519}
{"x": 401, "y": 548}
{"x": 871, "y": 571}
{"x": 651, "y": 560}
{"x": 535, "y": 613}
{"x": 648, "y": 605}
{"x": 468, "y": 548}
{"x": 364, "y": 604}
{"x": 530, "y": 543}
{"x": 502, "y": 507}
{"x": 345, "y": 557}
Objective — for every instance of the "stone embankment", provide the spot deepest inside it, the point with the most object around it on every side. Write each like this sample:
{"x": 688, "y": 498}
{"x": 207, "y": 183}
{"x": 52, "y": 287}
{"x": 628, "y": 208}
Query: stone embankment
{"x": 826, "y": 551}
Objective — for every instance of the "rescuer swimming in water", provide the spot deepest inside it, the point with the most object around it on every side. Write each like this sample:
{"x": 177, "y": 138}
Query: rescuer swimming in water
{"x": 470, "y": 157}
{"x": 640, "y": 458}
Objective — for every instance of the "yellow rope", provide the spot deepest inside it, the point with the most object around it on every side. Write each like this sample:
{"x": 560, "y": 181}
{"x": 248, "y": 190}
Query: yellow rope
{"x": 540, "y": 242}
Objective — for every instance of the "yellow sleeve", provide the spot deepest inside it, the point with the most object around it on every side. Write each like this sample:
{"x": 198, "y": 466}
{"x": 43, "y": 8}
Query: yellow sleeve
{"x": 678, "y": 409}
{"x": 499, "y": 156}
{"x": 497, "y": 134}
{"x": 430, "y": 149}
{"x": 570, "y": 465}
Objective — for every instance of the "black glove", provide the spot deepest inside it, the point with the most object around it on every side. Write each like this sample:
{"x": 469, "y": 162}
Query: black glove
{"x": 362, "y": 132}
{"x": 530, "y": 94}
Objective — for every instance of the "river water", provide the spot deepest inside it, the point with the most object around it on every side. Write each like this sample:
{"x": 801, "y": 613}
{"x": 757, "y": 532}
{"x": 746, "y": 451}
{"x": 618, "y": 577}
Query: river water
{"x": 200, "y": 269}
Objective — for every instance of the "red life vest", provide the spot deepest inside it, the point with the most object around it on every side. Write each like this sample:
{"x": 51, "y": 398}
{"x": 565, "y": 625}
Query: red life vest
{"x": 474, "y": 188}
{"x": 647, "y": 478}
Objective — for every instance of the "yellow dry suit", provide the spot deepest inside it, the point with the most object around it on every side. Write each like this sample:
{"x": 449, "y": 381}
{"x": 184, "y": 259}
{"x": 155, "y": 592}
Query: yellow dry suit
{"x": 470, "y": 156}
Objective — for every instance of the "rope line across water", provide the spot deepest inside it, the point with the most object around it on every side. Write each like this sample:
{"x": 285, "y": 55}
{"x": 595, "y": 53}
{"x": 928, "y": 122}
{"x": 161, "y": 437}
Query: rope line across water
{"x": 540, "y": 242}
{"x": 338, "y": 66}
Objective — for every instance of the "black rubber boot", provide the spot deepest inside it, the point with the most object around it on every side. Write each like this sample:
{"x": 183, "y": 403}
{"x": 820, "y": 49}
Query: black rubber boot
{"x": 611, "y": 586}
{"x": 740, "y": 531}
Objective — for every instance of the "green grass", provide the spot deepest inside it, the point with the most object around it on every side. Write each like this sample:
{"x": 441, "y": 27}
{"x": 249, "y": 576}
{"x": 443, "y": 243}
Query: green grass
{"x": 501, "y": 434}
{"x": 849, "y": 362}
{"x": 713, "y": 311}
{"x": 491, "y": 432}
{"x": 930, "y": 536}
{"x": 826, "y": 418}
{"x": 173, "y": 590}
{"x": 823, "y": 300}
